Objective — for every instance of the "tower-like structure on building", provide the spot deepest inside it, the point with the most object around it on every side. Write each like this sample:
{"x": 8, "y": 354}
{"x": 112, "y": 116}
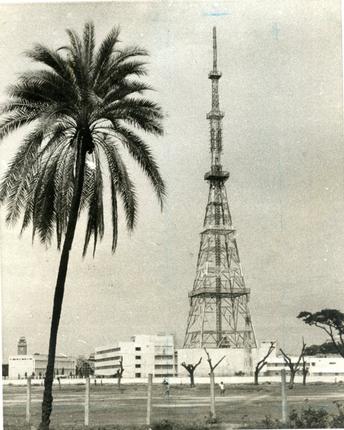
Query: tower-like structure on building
{"x": 219, "y": 315}
{"x": 22, "y": 346}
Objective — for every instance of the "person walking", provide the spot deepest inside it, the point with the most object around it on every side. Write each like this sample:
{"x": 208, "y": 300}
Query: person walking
{"x": 167, "y": 388}
{"x": 222, "y": 388}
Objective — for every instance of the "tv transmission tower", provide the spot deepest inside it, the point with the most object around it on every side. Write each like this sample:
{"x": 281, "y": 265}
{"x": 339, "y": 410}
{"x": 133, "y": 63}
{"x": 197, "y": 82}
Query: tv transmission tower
{"x": 219, "y": 315}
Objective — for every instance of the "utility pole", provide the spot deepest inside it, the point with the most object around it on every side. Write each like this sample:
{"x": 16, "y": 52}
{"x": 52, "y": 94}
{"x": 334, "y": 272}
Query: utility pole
{"x": 149, "y": 400}
{"x": 87, "y": 402}
{"x": 28, "y": 400}
{"x": 284, "y": 398}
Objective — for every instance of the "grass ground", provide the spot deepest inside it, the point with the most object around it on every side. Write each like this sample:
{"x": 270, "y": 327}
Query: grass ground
{"x": 241, "y": 404}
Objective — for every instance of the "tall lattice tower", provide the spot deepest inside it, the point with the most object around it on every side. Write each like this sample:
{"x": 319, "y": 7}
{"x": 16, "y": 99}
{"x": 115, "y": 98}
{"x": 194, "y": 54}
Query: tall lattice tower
{"x": 219, "y": 315}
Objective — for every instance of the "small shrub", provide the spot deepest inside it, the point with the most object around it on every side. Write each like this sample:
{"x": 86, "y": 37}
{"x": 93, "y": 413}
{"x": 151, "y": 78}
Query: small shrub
{"x": 309, "y": 417}
{"x": 270, "y": 423}
{"x": 168, "y": 425}
{"x": 210, "y": 419}
{"x": 163, "y": 425}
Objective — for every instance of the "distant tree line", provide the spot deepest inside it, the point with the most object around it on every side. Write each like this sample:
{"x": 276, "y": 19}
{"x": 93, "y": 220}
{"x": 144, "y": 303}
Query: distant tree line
{"x": 324, "y": 348}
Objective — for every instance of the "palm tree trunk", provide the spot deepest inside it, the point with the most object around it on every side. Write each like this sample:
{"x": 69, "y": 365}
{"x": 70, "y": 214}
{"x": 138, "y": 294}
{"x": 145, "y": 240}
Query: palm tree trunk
{"x": 60, "y": 283}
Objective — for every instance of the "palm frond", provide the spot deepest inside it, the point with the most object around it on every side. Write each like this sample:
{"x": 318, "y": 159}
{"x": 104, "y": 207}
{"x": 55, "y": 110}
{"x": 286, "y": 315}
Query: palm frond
{"x": 124, "y": 89}
{"x": 129, "y": 52}
{"x": 121, "y": 180}
{"x": 21, "y": 163}
{"x": 140, "y": 151}
{"x": 89, "y": 44}
{"x": 114, "y": 214}
{"x": 117, "y": 73}
{"x": 51, "y": 59}
{"x": 39, "y": 93}
{"x": 141, "y": 113}
{"x": 64, "y": 190}
{"x": 104, "y": 54}
{"x": 95, "y": 223}
{"x": 15, "y": 120}
{"x": 44, "y": 202}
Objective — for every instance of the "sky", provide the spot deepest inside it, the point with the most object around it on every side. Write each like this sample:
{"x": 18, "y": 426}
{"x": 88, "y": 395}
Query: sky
{"x": 281, "y": 92}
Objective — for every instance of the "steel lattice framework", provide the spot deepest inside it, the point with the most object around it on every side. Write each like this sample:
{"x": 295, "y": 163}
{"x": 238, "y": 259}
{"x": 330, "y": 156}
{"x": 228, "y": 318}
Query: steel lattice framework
{"x": 219, "y": 315}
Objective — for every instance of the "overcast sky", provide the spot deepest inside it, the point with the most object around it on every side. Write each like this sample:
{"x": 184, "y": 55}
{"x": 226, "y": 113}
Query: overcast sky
{"x": 281, "y": 91}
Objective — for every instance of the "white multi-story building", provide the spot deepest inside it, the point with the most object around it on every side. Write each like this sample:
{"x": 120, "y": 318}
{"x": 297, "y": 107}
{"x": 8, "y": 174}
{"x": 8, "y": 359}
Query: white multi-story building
{"x": 317, "y": 365}
{"x": 142, "y": 355}
{"x": 34, "y": 365}
{"x": 331, "y": 365}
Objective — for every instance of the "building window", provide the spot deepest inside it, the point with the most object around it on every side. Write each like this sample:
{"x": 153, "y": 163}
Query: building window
{"x": 137, "y": 375}
{"x": 138, "y": 357}
{"x": 162, "y": 357}
{"x": 137, "y": 366}
{"x": 138, "y": 348}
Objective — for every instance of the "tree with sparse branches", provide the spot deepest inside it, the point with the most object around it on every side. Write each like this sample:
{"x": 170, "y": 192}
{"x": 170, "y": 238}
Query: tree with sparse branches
{"x": 262, "y": 363}
{"x": 119, "y": 372}
{"x": 82, "y": 107}
{"x": 191, "y": 370}
{"x": 293, "y": 367}
{"x": 211, "y": 365}
{"x": 212, "y": 368}
{"x": 331, "y": 321}
{"x": 305, "y": 370}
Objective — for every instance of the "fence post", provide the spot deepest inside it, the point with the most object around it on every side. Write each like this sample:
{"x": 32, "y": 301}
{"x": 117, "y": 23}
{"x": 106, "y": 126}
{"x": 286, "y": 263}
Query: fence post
{"x": 284, "y": 398}
{"x": 212, "y": 396}
{"x": 149, "y": 400}
{"x": 87, "y": 402}
{"x": 28, "y": 400}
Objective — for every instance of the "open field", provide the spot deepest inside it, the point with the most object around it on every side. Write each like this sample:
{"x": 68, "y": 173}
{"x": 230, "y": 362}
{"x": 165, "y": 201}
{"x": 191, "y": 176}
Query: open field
{"x": 242, "y": 404}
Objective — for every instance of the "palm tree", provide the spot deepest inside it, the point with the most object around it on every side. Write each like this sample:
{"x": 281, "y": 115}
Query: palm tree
{"x": 81, "y": 107}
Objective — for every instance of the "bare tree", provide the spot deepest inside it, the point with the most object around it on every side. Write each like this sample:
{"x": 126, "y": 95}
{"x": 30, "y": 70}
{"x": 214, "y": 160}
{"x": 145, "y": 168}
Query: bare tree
{"x": 294, "y": 367}
{"x": 191, "y": 370}
{"x": 262, "y": 363}
{"x": 212, "y": 384}
{"x": 305, "y": 370}
{"x": 119, "y": 372}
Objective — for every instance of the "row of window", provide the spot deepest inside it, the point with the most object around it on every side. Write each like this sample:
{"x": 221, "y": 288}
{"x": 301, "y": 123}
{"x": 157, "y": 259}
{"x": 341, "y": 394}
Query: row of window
{"x": 282, "y": 364}
{"x": 161, "y": 357}
{"x": 111, "y": 366}
{"x": 21, "y": 358}
{"x": 103, "y": 351}
{"x": 163, "y": 375}
{"x": 116, "y": 357}
{"x": 163, "y": 366}
{"x": 157, "y": 375}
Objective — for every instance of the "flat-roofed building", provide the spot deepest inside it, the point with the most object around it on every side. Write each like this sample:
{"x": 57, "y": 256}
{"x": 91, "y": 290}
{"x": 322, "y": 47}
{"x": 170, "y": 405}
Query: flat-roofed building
{"x": 317, "y": 365}
{"x": 34, "y": 365}
{"x": 142, "y": 355}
